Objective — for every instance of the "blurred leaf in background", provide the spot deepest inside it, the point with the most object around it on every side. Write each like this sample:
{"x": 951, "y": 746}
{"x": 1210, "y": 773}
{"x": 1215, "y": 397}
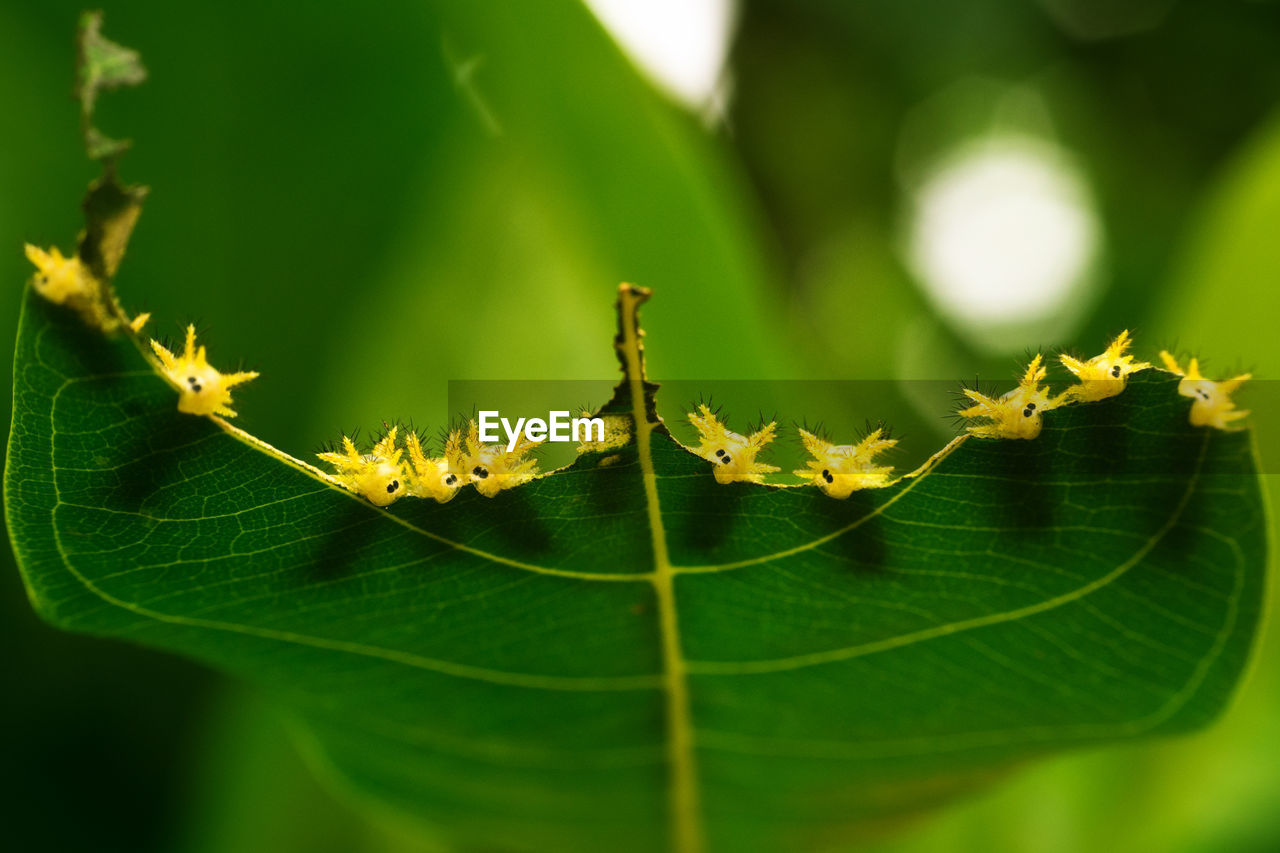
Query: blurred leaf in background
{"x": 844, "y": 111}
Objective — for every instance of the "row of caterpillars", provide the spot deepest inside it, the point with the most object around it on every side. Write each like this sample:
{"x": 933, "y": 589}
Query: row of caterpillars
{"x": 837, "y": 469}
{"x": 382, "y": 475}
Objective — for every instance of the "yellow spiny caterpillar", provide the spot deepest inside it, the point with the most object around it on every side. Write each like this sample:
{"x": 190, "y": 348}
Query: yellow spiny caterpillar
{"x": 1015, "y": 414}
{"x": 1104, "y": 375}
{"x": 432, "y": 477}
{"x": 67, "y": 281}
{"x": 617, "y": 432}
{"x": 60, "y": 279}
{"x": 1212, "y": 404}
{"x": 732, "y": 454}
{"x": 378, "y": 476}
{"x": 202, "y": 389}
{"x": 839, "y": 470}
{"x": 491, "y": 467}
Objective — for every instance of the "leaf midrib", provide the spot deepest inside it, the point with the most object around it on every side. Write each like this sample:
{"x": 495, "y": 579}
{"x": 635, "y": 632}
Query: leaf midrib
{"x": 685, "y": 813}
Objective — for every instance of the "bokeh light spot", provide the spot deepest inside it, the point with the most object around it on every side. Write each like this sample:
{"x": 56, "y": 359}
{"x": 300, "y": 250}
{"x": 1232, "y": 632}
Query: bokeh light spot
{"x": 1004, "y": 233}
{"x": 681, "y": 45}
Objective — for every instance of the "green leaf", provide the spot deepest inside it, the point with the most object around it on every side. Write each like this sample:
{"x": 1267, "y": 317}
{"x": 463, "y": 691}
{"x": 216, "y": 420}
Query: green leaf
{"x": 627, "y": 654}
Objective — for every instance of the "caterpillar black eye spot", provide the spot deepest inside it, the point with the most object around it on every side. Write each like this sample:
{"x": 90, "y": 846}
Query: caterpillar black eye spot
{"x": 450, "y": 480}
{"x": 1029, "y": 410}
{"x": 738, "y": 465}
{"x": 375, "y": 475}
{"x": 853, "y": 462}
{"x": 191, "y": 398}
{"x": 1103, "y": 375}
{"x": 1211, "y": 401}
{"x": 59, "y": 278}
{"x": 480, "y": 472}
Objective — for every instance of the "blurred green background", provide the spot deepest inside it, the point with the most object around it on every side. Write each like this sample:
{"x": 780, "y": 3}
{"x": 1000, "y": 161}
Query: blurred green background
{"x": 364, "y": 203}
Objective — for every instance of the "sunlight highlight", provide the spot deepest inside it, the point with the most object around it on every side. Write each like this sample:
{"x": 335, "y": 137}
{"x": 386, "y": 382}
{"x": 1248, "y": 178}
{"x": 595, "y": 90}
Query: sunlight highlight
{"x": 681, "y": 45}
{"x": 1004, "y": 233}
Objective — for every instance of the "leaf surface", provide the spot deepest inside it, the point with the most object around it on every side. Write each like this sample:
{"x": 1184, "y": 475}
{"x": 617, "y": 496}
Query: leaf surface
{"x": 627, "y": 653}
